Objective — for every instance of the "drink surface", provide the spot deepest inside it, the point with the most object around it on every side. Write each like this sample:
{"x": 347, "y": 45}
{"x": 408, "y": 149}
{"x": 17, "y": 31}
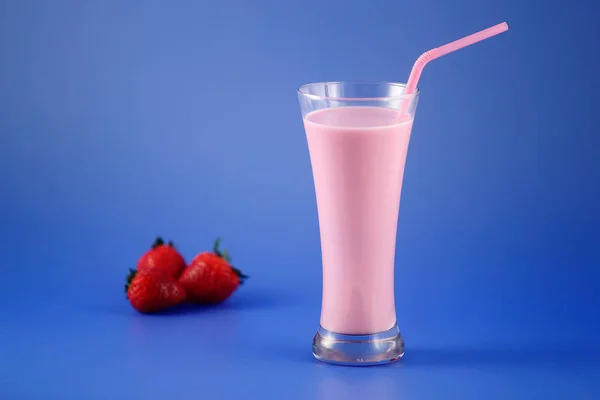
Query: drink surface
{"x": 358, "y": 156}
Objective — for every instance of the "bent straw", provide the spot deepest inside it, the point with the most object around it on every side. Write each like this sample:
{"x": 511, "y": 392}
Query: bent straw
{"x": 415, "y": 73}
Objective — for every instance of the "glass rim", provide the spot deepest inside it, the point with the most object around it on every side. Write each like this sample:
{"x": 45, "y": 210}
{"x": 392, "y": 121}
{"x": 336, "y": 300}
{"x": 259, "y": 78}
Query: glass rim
{"x": 302, "y": 91}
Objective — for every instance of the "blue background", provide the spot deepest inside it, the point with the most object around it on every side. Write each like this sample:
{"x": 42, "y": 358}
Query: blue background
{"x": 123, "y": 120}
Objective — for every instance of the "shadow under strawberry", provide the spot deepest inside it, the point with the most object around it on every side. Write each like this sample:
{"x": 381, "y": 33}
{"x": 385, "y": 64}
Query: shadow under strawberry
{"x": 247, "y": 301}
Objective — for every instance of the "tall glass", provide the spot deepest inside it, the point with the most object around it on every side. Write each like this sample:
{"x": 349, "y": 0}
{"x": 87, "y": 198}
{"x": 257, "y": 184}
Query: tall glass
{"x": 358, "y": 135}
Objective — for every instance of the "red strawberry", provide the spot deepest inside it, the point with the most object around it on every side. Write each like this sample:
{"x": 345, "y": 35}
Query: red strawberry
{"x": 153, "y": 290}
{"x": 164, "y": 257}
{"x": 210, "y": 278}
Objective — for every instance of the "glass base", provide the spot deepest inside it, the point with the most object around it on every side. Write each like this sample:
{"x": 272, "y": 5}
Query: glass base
{"x": 358, "y": 350}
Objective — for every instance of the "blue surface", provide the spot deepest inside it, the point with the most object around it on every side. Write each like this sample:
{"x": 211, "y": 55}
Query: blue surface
{"x": 123, "y": 120}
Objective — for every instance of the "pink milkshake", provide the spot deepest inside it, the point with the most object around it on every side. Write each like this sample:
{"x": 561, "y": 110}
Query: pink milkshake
{"x": 358, "y": 134}
{"x": 358, "y": 155}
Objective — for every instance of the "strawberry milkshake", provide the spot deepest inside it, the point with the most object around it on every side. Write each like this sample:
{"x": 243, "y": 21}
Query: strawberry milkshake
{"x": 358, "y": 138}
{"x": 357, "y": 156}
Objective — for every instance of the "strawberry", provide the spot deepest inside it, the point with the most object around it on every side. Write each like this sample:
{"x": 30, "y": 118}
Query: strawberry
{"x": 164, "y": 257}
{"x": 210, "y": 278}
{"x": 153, "y": 290}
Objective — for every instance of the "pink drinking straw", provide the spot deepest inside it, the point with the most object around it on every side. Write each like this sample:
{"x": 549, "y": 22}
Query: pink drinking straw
{"x": 432, "y": 54}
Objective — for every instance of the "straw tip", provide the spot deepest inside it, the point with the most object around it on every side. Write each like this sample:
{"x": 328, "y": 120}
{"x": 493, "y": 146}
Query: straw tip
{"x": 504, "y": 26}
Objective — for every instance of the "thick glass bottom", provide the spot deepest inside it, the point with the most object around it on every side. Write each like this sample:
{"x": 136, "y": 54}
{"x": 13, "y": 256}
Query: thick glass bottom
{"x": 358, "y": 350}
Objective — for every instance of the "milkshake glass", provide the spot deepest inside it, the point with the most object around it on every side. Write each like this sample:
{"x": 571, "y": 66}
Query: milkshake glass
{"x": 358, "y": 135}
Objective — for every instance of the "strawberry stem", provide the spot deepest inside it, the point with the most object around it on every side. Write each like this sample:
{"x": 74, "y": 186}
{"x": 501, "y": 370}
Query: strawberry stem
{"x": 216, "y": 247}
{"x": 130, "y": 276}
{"x": 224, "y": 253}
{"x": 158, "y": 242}
{"x": 240, "y": 274}
{"x": 226, "y": 256}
